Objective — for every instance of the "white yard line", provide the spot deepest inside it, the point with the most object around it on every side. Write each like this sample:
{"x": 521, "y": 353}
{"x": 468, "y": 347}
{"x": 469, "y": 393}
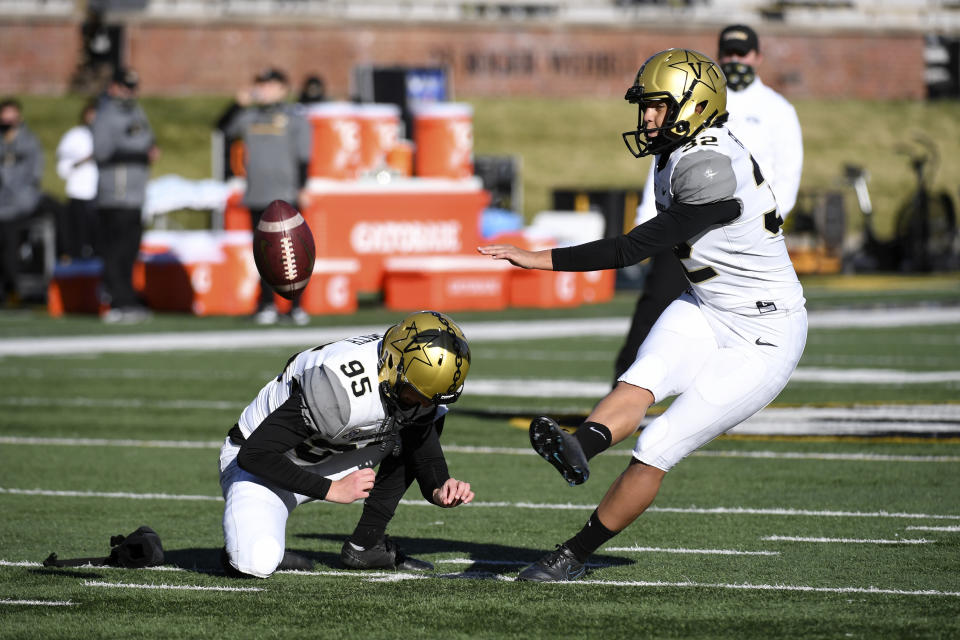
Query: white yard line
{"x": 477, "y": 450}
{"x": 172, "y": 587}
{"x": 855, "y": 420}
{"x": 477, "y": 331}
{"x": 398, "y": 576}
{"x": 108, "y": 494}
{"x": 119, "y": 403}
{"x": 38, "y": 603}
{"x": 394, "y": 576}
{"x": 848, "y": 540}
{"x": 945, "y": 529}
{"x": 709, "y": 552}
{"x": 749, "y": 511}
{"x": 109, "y": 442}
{"x": 767, "y": 587}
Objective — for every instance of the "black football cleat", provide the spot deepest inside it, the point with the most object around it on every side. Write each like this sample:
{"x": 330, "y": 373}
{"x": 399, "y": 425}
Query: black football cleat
{"x": 560, "y": 565}
{"x": 384, "y": 555}
{"x": 560, "y": 449}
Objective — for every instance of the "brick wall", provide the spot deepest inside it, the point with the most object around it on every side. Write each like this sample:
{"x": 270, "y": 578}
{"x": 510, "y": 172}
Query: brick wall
{"x": 178, "y": 58}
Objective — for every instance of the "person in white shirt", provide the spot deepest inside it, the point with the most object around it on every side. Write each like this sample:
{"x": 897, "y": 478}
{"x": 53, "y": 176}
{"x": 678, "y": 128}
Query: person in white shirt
{"x": 77, "y": 227}
{"x": 768, "y": 127}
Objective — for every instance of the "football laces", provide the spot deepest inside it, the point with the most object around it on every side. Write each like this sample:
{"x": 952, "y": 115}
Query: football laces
{"x": 289, "y": 260}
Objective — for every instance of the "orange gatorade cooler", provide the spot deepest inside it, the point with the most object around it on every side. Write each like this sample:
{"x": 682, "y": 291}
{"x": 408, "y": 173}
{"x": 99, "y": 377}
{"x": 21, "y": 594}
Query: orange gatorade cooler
{"x": 400, "y": 158}
{"x": 336, "y": 141}
{"x": 379, "y": 133}
{"x": 443, "y": 135}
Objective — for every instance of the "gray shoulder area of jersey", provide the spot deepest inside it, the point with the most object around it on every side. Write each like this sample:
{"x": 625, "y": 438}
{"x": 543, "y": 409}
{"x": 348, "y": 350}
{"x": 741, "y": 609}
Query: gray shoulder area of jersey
{"x": 327, "y": 405}
{"x": 702, "y": 177}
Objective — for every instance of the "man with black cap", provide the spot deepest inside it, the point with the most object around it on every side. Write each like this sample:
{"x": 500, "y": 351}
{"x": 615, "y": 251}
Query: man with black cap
{"x": 277, "y": 145}
{"x": 124, "y": 147}
{"x": 768, "y": 127}
{"x": 760, "y": 117}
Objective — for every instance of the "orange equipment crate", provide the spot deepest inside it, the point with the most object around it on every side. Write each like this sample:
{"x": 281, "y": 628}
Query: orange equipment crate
{"x": 201, "y": 272}
{"x": 332, "y": 287}
{"x": 544, "y": 289}
{"x": 75, "y": 288}
{"x": 597, "y": 286}
{"x": 446, "y": 283}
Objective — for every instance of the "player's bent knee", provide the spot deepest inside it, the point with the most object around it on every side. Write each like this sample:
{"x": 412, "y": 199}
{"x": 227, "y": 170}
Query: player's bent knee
{"x": 260, "y": 560}
{"x": 652, "y": 434}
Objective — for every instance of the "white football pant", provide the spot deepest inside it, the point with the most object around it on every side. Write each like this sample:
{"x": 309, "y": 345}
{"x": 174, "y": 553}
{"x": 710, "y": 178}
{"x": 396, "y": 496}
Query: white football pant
{"x": 723, "y": 368}
{"x": 255, "y": 515}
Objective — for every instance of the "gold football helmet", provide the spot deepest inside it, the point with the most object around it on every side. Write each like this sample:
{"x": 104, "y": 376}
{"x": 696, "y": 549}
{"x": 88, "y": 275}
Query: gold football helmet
{"x": 695, "y": 90}
{"x": 427, "y": 351}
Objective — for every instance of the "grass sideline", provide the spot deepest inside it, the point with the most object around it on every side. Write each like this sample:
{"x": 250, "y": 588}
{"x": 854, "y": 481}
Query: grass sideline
{"x": 575, "y": 143}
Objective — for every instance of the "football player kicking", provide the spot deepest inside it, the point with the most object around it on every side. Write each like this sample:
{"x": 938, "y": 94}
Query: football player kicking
{"x": 726, "y": 347}
{"x": 316, "y": 431}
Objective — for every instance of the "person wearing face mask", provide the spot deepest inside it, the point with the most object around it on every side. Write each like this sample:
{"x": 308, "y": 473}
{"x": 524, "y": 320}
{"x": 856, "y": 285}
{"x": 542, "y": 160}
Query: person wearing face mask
{"x": 768, "y": 127}
{"x": 277, "y": 143}
{"x": 124, "y": 147}
{"x": 21, "y": 169}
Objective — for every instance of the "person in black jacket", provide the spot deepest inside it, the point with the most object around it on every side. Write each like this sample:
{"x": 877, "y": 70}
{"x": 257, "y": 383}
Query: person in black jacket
{"x": 316, "y": 431}
{"x": 21, "y": 168}
{"x": 124, "y": 148}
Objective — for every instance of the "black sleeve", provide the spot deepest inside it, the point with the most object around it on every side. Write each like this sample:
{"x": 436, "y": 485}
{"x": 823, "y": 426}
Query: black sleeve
{"x": 677, "y": 224}
{"x": 262, "y": 453}
{"x": 423, "y": 457}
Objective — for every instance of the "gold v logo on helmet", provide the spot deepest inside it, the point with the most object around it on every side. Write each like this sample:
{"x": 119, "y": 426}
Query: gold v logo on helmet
{"x": 427, "y": 351}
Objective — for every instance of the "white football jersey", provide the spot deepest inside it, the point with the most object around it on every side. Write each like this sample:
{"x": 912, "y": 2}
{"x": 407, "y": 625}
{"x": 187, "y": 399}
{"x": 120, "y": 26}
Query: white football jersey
{"x": 341, "y": 394}
{"x": 741, "y": 266}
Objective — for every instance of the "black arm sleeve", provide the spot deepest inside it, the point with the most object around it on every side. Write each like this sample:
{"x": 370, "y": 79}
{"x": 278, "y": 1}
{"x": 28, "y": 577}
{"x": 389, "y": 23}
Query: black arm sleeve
{"x": 677, "y": 224}
{"x": 426, "y": 458}
{"x": 421, "y": 460}
{"x": 262, "y": 453}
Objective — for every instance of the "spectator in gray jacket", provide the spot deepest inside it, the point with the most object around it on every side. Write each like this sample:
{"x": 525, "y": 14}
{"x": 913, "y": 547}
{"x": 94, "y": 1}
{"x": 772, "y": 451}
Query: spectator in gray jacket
{"x": 21, "y": 169}
{"x": 124, "y": 148}
{"x": 277, "y": 140}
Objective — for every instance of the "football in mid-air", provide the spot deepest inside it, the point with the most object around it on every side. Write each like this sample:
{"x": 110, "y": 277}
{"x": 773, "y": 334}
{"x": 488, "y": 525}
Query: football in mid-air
{"x": 283, "y": 249}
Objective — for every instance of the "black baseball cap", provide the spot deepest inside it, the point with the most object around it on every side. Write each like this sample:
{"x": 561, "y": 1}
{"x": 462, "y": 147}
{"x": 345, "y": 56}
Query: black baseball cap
{"x": 270, "y": 74}
{"x": 739, "y": 39}
{"x": 126, "y": 77}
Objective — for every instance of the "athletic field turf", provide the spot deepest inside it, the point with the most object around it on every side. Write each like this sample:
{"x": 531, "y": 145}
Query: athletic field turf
{"x": 802, "y": 534}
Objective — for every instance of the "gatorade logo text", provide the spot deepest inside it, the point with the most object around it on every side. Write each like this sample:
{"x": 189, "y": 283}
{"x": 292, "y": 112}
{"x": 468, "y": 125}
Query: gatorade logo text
{"x": 406, "y": 237}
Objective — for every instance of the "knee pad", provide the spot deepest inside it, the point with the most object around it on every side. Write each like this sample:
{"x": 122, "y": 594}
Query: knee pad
{"x": 652, "y": 434}
{"x": 259, "y": 560}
